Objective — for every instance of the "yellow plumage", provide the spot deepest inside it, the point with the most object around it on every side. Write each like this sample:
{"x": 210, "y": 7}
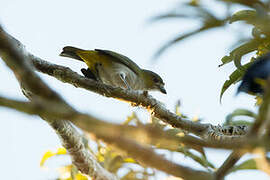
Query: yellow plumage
{"x": 93, "y": 57}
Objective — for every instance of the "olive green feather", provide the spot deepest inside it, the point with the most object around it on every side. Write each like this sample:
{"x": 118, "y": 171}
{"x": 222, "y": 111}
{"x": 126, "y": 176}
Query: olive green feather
{"x": 122, "y": 59}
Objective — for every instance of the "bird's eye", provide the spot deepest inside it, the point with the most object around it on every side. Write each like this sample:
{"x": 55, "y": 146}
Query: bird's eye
{"x": 155, "y": 80}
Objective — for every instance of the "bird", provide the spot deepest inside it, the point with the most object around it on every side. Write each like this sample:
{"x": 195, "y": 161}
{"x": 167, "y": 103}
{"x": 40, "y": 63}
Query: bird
{"x": 114, "y": 69}
{"x": 254, "y": 79}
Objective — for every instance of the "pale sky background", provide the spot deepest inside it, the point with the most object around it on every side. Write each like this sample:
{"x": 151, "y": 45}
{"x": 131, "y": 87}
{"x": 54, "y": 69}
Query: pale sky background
{"x": 189, "y": 70}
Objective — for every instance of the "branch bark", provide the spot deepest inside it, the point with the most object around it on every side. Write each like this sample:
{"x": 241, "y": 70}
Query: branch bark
{"x": 147, "y": 134}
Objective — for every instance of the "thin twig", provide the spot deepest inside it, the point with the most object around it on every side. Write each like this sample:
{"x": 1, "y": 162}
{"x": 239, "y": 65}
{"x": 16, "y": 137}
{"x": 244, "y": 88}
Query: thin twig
{"x": 227, "y": 165}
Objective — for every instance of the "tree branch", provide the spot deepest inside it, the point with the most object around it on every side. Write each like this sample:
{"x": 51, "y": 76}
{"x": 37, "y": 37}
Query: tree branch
{"x": 227, "y": 165}
{"x": 12, "y": 58}
{"x": 147, "y": 134}
{"x": 135, "y": 98}
{"x": 34, "y": 88}
{"x": 110, "y": 133}
{"x": 81, "y": 157}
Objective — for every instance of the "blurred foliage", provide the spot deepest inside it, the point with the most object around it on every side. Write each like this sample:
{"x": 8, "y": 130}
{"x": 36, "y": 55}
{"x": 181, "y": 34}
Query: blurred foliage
{"x": 195, "y": 11}
{"x": 124, "y": 166}
{"x": 257, "y": 163}
{"x": 233, "y": 78}
{"x": 70, "y": 172}
{"x": 48, "y": 154}
{"x": 234, "y": 118}
{"x": 67, "y": 172}
{"x": 248, "y": 164}
{"x": 255, "y": 13}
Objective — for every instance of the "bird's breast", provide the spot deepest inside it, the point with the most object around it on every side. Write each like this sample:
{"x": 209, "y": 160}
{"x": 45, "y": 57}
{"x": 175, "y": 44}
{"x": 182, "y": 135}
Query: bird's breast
{"x": 111, "y": 75}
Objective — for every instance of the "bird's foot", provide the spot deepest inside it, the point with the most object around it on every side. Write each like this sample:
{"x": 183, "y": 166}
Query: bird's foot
{"x": 89, "y": 74}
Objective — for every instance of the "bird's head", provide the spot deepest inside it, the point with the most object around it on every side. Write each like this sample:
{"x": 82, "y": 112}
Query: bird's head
{"x": 153, "y": 81}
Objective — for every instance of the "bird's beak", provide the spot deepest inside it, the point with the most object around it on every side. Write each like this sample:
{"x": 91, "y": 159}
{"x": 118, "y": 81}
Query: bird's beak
{"x": 162, "y": 89}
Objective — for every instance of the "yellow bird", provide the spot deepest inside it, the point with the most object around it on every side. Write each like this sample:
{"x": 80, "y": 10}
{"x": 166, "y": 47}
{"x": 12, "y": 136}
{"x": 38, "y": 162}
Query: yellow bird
{"x": 115, "y": 69}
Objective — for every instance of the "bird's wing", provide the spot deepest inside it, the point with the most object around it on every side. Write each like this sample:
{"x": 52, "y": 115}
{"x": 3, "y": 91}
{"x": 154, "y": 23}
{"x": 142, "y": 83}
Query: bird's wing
{"x": 121, "y": 59}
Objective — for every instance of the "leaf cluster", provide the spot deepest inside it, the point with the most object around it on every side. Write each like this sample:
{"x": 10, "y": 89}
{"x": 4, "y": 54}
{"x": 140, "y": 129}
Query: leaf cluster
{"x": 255, "y": 13}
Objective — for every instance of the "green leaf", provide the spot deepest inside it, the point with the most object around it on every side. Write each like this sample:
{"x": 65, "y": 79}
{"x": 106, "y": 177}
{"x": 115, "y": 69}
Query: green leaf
{"x": 237, "y": 53}
{"x": 115, "y": 163}
{"x": 249, "y": 3}
{"x": 240, "y": 112}
{"x": 206, "y": 17}
{"x": 171, "y": 16}
{"x": 225, "y": 60}
{"x": 201, "y": 160}
{"x": 258, "y": 18}
{"x": 207, "y": 26}
{"x": 249, "y": 164}
{"x": 238, "y": 123}
{"x": 175, "y": 40}
{"x": 233, "y": 78}
{"x": 244, "y": 15}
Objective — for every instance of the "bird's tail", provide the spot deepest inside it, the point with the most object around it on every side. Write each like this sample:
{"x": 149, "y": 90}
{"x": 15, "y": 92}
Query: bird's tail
{"x": 71, "y": 52}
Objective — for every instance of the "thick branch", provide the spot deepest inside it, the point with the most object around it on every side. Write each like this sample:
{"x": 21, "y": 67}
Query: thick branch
{"x": 112, "y": 134}
{"x": 143, "y": 134}
{"x": 82, "y": 158}
{"x": 13, "y": 53}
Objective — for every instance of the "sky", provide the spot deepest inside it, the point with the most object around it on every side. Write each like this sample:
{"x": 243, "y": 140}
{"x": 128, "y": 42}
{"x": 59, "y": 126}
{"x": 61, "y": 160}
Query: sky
{"x": 189, "y": 69}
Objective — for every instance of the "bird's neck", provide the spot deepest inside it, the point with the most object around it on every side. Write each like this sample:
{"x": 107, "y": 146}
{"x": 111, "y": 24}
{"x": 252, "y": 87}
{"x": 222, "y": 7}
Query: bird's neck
{"x": 145, "y": 80}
